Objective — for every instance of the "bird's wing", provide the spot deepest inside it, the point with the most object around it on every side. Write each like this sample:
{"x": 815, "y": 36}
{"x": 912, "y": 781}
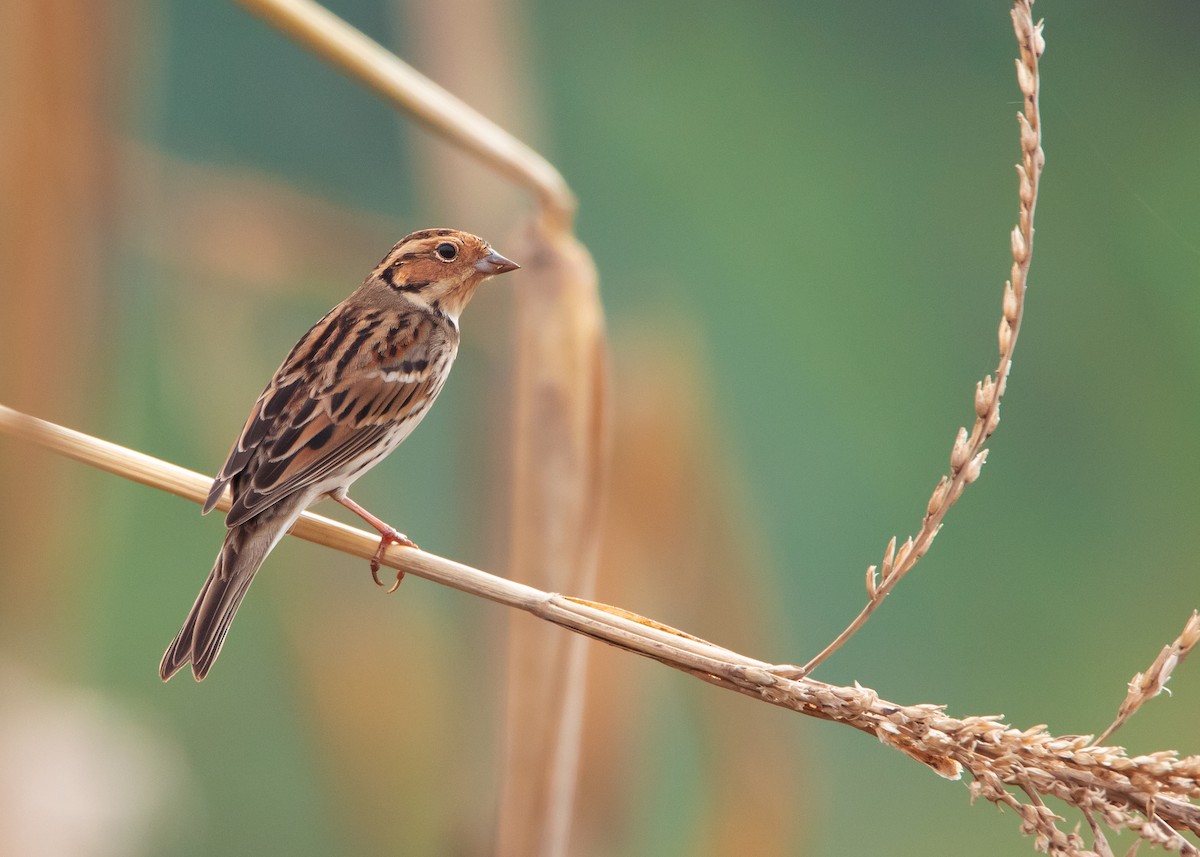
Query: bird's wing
{"x": 349, "y": 382}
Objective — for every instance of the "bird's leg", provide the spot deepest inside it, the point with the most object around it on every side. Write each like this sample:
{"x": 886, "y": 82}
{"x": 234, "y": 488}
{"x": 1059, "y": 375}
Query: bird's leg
{"x": 387, "y": 535}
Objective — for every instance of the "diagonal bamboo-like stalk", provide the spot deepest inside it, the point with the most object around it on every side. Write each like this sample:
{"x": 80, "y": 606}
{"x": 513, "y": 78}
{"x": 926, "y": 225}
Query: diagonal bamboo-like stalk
{"x": 1153, "y": 795}
{"x": 368, "y": 62}
{"x": 612, "y": 625}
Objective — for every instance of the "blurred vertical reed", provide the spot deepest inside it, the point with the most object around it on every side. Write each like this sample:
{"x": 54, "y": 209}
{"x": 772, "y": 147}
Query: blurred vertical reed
{"x": 682, "y": 539}
{"x": 55, "y": 156}
{"x": 559, "y": 398}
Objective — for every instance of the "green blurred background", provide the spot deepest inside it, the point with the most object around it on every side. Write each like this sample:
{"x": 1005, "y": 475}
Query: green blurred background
{"x": 800, "y": 216}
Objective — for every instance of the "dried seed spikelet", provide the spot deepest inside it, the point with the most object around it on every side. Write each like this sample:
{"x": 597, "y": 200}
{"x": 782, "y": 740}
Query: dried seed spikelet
{"x": 1024, "y": 186}
{"x": 973, "y": 469}
{"x": 1029, "y": 137}
{"x": 889, "y": 558}
{"x": 1020, "y": 249}
{"x": 993, "y": 420}
{"x": 983, "y": 396}
{"x": 935, "y": 503}
{"x": 1039, "y": 42}
{"x": 937, "y": 498}
{"x": 945, "y": 767}
{"x": 1190, "y": 635}
{"x": 872, "y": 582}
{"x": 960, "y": 453}
{"x": 1025, "y": 79}
{"x": 943, "y": 493}
{"x": 1005, "y": 336}
{"x": 1020, "y": 28}
{"x": 1010, "y": 303}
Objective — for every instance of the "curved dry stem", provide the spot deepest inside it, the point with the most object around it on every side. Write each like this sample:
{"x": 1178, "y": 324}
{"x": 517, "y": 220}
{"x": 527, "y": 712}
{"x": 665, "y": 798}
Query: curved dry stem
{"x": 379, "y": 69}
{"x": 1151, "y": 795}
{"x": 968, "y": 454}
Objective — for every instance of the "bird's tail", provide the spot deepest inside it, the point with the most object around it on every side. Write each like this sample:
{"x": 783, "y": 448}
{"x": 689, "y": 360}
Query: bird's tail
{"x": 199, "y": 640}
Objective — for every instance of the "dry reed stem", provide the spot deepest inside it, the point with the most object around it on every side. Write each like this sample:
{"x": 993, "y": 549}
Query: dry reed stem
{"x": 371, "y": 64}
{"x": 1151, "y": 794}
{"x": 671, "y": 479}
{"x": 58, "y": 72}
{"x": 967, "y": 455}
{"x": 559, "y": 407}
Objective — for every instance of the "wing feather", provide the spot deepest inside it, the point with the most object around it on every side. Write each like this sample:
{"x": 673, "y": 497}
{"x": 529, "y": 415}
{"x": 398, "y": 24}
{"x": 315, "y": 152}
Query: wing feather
{"x": 347, "y": 385}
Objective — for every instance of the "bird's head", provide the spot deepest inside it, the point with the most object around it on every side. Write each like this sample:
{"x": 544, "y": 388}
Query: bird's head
{"x": 438, "y": 268}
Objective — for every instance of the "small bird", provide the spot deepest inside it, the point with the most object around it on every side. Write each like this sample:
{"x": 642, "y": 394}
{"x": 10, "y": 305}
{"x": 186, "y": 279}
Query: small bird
{"x": 347, "y": 394}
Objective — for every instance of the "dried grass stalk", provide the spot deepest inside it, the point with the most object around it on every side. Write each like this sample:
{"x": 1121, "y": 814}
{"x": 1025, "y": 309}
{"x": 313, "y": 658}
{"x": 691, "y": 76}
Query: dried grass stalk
{"x": 1152, "y": 794}
{"x": 968, "y": 455}
{"x": 368, "y": 62}
{"x": 57, "y": 76}
{"x": 559, "y": 447}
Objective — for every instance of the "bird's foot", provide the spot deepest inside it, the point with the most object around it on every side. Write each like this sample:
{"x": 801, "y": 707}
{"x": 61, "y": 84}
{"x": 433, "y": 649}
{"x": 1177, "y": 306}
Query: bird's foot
{"x": 389, "y": 536}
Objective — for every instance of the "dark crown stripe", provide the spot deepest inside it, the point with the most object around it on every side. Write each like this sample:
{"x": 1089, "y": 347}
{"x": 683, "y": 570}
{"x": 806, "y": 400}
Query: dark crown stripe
{"x": 427, "y": 233}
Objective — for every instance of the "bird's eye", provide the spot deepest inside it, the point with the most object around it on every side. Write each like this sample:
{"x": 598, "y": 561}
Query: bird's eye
{"x": 447, "y": 251}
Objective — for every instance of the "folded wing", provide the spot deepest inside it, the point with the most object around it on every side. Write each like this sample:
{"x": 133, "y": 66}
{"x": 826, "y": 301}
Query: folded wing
{"x": 353, "y": 385}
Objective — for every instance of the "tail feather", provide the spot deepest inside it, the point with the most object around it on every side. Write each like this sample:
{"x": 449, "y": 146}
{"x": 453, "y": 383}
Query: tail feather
{"x": 246, "y": 547}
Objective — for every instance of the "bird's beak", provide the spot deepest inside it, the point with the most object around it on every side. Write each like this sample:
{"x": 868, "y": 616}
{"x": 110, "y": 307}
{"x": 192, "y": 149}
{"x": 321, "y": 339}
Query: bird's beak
{"x": 494, "y": 263}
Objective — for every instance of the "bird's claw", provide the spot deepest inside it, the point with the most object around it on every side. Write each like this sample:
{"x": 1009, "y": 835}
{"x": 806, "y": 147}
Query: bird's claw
{"x": 378, "y": 582}
{"x": 385, "y": 539}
